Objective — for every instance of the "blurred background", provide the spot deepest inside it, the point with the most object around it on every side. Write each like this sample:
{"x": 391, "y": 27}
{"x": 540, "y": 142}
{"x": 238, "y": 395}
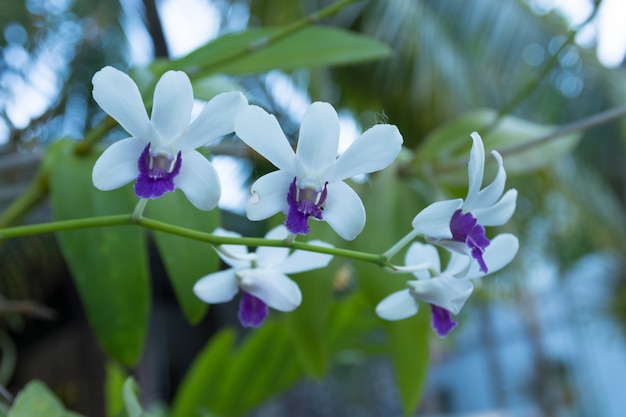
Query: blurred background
{"x": 546, "y": 337}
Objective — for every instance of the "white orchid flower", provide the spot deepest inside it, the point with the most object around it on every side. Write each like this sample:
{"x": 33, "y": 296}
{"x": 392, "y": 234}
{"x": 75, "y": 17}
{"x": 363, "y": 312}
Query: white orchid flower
{"x": 261, "y": 277}
{"x": 160, "y": 152}
{"x": 446, "y": 291}
{"x": 309, "y": 182}
{"x": 459, "y": 225}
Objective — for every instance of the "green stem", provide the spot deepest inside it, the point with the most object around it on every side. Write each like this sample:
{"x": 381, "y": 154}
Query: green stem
{"x": 597, "y": 119}
{"x": 34, "y": 193}
{"x": 127, "y": 219}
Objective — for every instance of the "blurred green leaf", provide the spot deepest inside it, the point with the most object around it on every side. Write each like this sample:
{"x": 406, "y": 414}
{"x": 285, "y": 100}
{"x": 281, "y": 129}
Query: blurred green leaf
{"x": 248, "y": 52}
{"x": 392, "y": 203}
{"x": 446, "y": 149}
{"x": 200, "y": 386}
{"x": 185, "y": 260}
{"x": 108, "y": 265}
{"x": 37, "y": 400}
{"x": 208, "y": 87}
{"x": 113, "y": 386}
{"x": 130, "y": 391}
{"x": 262, "y": 367}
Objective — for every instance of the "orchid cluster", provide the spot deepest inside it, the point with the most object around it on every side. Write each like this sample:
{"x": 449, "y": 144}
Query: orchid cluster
{"x": 161, "y": 155}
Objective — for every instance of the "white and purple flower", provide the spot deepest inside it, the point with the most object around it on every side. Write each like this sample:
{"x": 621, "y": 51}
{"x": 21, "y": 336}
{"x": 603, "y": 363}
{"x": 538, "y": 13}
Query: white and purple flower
{"x": 309, "y": 183}
{"x": 261, "y": 277}
{"x": 446, "y": 291}
{"x": 459, "y": 225}
{"x": 160, "y": 153}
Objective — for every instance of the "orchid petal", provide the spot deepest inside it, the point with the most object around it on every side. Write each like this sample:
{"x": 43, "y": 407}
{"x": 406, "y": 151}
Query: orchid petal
{"x": 117, "y": 166}
{"x": 423, "y": 253}
{"x": 397, "y": 306}
{"x": 261, "y": 131}
{"x": 319, "y": 137}
{"x": 218, "y": 287}
{"x": 216, "y": 119}
{"x": 233, "y": 255}
{"x": 344, "y": 211}
{"x": 443, "y": 291}
{"x": 374, "y": 150}
{"x": 301, "y": 261}
{"x": 475, "y": 169}
{"x": 199, "y": 181}
{"x": 491, "y": 193}
{"x": 269, "y": 195}
{"x": 117, "y": 94}
{"x": 498, "y": 254}
{"x": 173, "y": 101}
{"x": 268, "y": 256}
{"x": 273, "y": 288}
{"x": 434, "y": 220}
{"x": 499, "y": 213}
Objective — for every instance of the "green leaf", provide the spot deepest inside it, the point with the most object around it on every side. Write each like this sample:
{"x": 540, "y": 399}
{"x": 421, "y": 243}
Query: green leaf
{"x": 251, "y": 52}
{"x": 446, "y": 149}
{"x": 393, "y": 204}
{"x": 185, "y": 260}
{"x": 37, "y": 400}
{"x": 113, "y": 385}
{"x": 261, "y": 368}
{"x": 200, "y": 386}
{"x": 130, "y": 391}
{"x": 108, "y": 265}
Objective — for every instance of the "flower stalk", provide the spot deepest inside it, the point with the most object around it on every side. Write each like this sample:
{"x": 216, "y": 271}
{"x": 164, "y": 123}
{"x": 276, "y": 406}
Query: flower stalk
{"x": 147, "y": 223}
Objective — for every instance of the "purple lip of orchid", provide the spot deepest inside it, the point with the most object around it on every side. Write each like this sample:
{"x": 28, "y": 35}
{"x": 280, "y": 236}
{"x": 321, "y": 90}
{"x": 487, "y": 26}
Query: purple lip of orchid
{"x": 465, "y": 229}
{"x": 156, "y": 174}
{"x": 252, "y": 310}
{"x": 303, "y": 202}
{"x": 442, "y": 321}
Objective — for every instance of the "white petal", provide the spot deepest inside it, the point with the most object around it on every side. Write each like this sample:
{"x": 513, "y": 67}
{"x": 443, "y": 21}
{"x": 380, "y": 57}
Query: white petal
{"x": 216, "y": 119}
{"x": 319, "y": 137}
{"x": 498, "y": 254}
{"x": 199, "y": 181}
{"x": 117, "y": 94}
{"x": 374, "y": 150}
{"x": 275, "y": 289}
{"x": 301, "y": 261}
{"x": 499, "y": 213}
{"x": 397, "y": 306}
{"x": 443, "y": 291}
{"x": 117, "y": 166}
{"x": 234, "y": 255}
{"x": 344, "y": 211}
{"x": 458, "y": 264}
{"x": 218, "y": 287}
{"x": 420, "y": 253}
{"x": 268, "y": 256}
{"x": 434, "y": 220}
{"x": 475, "y": 169}
{"x": 171, "y": 108}
{"x": 491, "y": 193}
{"x": 261, "y": 131}
{"x": 269, "y": 195}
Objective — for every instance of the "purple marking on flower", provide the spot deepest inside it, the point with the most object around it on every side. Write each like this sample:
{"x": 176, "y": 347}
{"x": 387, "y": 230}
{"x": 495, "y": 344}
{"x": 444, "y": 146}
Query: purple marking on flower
{"x": 465, "y": 229}
{"x": 303, "y": 202}
{"x": 442, "y": 321}
{"x": 252, "y": 310}
{"x": 156, "y": 174}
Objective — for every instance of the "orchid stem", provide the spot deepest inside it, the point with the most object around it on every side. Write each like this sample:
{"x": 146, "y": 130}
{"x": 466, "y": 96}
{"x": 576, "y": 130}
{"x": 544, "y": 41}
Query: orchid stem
{"x": 139, "y": 208}
{"x": 400, "y": 244}
{"x": 128, "y": 219}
